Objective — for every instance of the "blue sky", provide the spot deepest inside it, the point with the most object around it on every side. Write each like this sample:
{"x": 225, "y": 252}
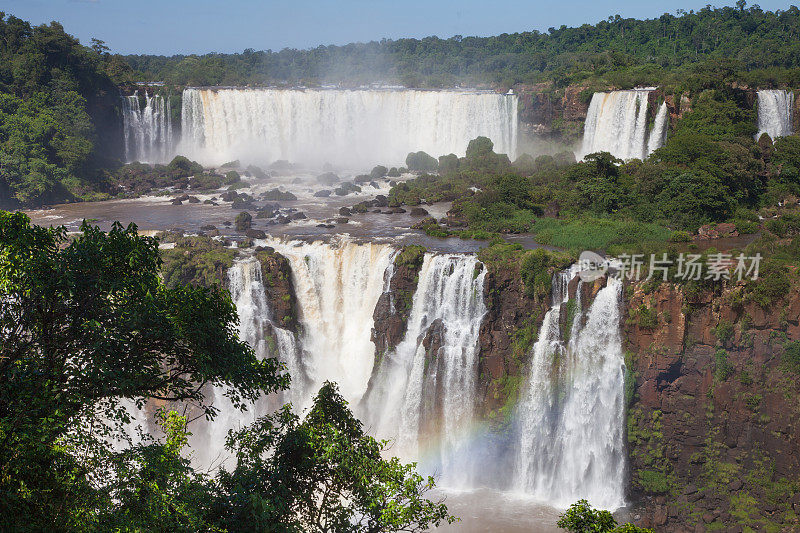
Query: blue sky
{"x": 201, "y": 26}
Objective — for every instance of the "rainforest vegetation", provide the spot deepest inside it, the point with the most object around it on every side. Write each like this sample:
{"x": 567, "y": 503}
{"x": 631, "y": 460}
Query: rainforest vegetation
{"x": 88, "y": 330}
{"x": 687, "y": 49}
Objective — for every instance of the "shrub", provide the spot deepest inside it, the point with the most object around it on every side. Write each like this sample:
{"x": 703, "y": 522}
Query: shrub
{"x": 411, "y": 256}
{"x": 771, "y": 285}
{"x": 724, "y": 331}
{"x": 231, "y": 177}
{"x": 722, "y": 367}
{"x": 421, "y": 162}
{"x": 534, "y": 273}
{"x": 378, "y": 172}
{"x": 647, "y": 318}
{"x": 680, "y": 236}
{"x": 243, "y": 221}
{"x": 654, "y": 481}
{"x": 791, "y": 357}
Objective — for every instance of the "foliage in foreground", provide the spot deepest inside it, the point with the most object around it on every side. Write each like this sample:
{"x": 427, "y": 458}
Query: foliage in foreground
{"x": 87, "y": 328}
{"x": 582, "y": 518}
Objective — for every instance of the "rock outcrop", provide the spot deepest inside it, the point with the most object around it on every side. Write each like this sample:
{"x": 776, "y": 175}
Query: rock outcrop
{"x": 276, "y": 273}
{"x": 713, "y": 420}
{"x": 394, "y": 306}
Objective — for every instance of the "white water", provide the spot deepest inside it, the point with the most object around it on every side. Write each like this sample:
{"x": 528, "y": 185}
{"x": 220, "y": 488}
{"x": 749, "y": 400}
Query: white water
{"x": 775, "y": 113}
{"x": 337, "y": 288}
{"x": 568, "y": 434}
{"x": 617, "y": 123}
{"x": 571, "y": 417}
{"x": 420, "y": 397}
{"x": 658, "y": 135}
{"x": 147, "y": 130}
{"x": 344, "y": 127}
{"x": 256, "y": 327}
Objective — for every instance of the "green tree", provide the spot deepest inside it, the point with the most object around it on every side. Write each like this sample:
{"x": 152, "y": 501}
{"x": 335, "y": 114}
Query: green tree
{"x": 86, "y": 323}
{"x": 321, "y": 474}
{"x": 582, "y": 518}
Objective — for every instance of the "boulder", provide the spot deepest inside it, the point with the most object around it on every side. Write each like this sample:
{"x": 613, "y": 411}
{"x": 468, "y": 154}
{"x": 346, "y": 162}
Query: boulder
{"x": 255, "y": 234}
{"x": 418, "y": 212}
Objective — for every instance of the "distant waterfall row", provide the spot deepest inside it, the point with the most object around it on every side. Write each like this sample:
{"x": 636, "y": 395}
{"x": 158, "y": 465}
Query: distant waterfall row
{"x": 566, "y": 440}
{"x": 617, "y": 122}
{"x": 775, "y": 113}
{"x": 344, "y": 127}
{"x": 147, "y": 128}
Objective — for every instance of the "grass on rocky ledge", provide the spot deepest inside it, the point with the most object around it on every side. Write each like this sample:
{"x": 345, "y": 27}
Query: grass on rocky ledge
{"x": 593, "y": 233}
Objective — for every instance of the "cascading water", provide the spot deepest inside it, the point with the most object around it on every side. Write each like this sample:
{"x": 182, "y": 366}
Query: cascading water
{"x": 571, "y": 417}
{"x": 567, "y": 438}
{"x": 346, "y": 127}
{"x": 617, "y": 123}
{"x": 337, "y": 287}
{"x": 424, "y": 391}
{"x": 658, "y": 135}
{"x": 147, "y": 130}
{"x": 256, "y": 327}
{"x": 775, "y": 113}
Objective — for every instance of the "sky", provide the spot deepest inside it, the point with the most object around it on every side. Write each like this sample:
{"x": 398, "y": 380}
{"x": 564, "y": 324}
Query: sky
{"x": 167, "y": 27}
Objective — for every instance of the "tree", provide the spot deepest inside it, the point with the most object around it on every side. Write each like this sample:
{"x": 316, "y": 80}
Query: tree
{"x": 691, "y": 199}
{"x": 582, "y": 518}
{"x": 421, "y": 162}
{"x": 321, "y": 474}
{"x": 85, "y": 323}
{"x": 86, "y": 328}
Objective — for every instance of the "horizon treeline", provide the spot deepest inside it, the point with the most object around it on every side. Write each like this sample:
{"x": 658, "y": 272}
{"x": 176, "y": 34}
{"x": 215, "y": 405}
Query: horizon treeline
{"x": 761, "y": 47}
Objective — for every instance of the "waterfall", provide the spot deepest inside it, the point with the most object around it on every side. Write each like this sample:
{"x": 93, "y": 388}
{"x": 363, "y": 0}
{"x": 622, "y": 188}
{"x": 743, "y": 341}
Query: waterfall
{"x": 147, "y": 130}
{"x": 617, "y": 123}
{"x": 566, "y": 440}
{"x": 423, "y": 393}
{"x": 571, "y": 418}
{"x": 658, "y": 135}
{"x": 775, "y": 112}
{"x": 337, "y": 287}
{"x": 256, "y": 327}
{"x": 346, "y": 127}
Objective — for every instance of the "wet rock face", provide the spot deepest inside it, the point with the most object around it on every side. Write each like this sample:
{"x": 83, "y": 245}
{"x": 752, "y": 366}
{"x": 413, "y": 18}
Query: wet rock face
{"x": 276, "y": 273}
{"x": 504, "y": 344}
{"x": 541, "y": 105}
{"x": 714, "y": 420}
{"x": 394, "y": 307}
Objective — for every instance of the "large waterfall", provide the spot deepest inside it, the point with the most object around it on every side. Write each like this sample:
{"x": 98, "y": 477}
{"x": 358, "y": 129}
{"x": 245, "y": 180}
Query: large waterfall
{"x": 775, "y": 113}
{"x": 337, "y": 286}
{"x": 147, "y": 129}
{"x": 617, "y": 123}
{"x": 431, "y": 375}
{"x": 571, "y": 417}
{"x": 345, "y": 127}
{"x": 566, "y": 439}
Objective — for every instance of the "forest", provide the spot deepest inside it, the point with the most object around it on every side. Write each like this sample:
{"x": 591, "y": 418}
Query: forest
{"x": 760, "y": 47}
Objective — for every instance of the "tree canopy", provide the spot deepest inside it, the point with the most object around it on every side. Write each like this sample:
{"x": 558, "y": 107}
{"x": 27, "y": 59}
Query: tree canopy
{"x": 88, "y": 331}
